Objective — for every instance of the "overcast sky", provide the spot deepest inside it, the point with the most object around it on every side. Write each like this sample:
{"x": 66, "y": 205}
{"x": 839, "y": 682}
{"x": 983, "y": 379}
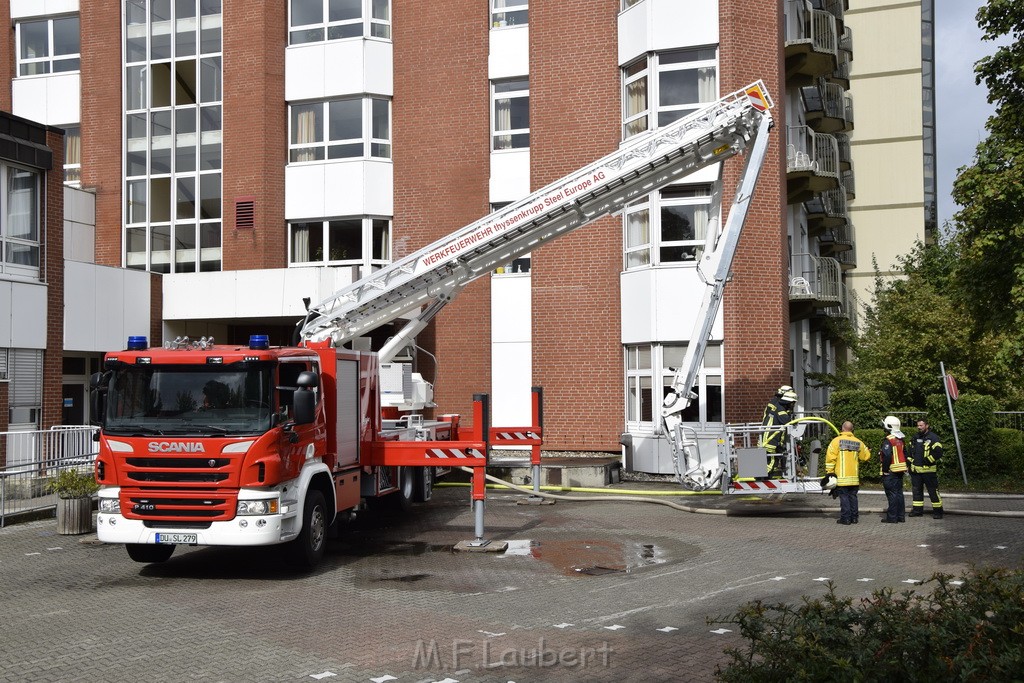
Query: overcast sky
{"x": 961, "y": 106}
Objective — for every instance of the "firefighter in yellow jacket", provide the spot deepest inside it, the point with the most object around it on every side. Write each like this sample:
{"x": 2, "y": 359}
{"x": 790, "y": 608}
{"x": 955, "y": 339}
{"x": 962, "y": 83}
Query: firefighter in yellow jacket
{"x": 843, "y": 458}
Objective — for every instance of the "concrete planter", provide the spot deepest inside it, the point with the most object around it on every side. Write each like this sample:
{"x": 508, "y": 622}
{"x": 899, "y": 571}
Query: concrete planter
{"x": 74, "y": 516}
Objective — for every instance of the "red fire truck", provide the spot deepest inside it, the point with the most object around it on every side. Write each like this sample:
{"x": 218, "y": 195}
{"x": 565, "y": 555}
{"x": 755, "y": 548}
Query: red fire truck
{"x": 204, "y": 443}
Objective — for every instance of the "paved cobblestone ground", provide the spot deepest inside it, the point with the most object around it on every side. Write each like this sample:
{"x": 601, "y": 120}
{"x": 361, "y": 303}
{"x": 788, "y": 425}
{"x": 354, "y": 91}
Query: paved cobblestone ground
{"x": 587, "y": 592}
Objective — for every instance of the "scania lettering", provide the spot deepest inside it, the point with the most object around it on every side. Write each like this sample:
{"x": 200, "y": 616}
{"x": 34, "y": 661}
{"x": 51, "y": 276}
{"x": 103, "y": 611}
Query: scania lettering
{"x": 205, "y": 443}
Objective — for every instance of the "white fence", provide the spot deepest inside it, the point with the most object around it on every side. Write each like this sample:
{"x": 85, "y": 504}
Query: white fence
{"x": 33, "y": 457}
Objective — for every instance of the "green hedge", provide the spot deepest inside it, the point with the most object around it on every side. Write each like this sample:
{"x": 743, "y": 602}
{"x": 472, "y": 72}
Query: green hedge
{"x": 970, "y": 632}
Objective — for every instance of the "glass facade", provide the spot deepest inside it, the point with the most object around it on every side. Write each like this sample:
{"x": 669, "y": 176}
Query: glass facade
{"x": 173, "y": 130}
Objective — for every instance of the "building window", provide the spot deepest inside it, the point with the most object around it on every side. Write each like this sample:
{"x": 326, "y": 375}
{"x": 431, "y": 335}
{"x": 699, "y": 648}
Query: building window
{"x": 20, "y": 232}
{"x": 686, "y": 80}
{"x": 340, "y": 129}
{"x": 48, "y": 46}
{"x": 363, "y": 242}
{"x": 509, "y": 13}
{"x": 644, "y": 362}
{"x": 517, "y": 265}
{"x": 510, "y": 125}
{"x": 173, "y": 135}
{"x": 72, "y": 155}
{"x": 668, "y": 226}
{"x": 313, "y": 21}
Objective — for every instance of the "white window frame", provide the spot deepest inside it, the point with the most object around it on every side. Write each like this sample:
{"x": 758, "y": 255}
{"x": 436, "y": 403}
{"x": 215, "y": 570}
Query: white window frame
{"x": 373, "y": 256}
{"x": 35, "y": 239}
{"x": 503, "y": 136}
{"x": 644, "y": 362}
{"x": 649, "y": 69}
{"x": 317, "y": 146}
{"x": 644, "y": 245}
{"x": 508, "y": 13}
{"x": 72, "y": 150}
{"x": 50, "y": 59}
{"x": 374, "y": 22}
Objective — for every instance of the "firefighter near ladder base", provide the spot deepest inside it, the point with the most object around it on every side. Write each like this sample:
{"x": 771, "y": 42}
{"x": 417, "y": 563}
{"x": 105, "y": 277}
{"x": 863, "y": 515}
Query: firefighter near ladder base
{"x": 893, "y": 466}
{"x": 843, "y": 459}
{"x": 777, "y": 414}
{"x": 925, "y": 454}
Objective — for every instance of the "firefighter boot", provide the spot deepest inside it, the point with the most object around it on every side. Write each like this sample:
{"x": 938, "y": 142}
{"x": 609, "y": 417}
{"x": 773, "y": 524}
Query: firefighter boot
{"x": 937, "y": 513}
{"x": 916, "y": 512}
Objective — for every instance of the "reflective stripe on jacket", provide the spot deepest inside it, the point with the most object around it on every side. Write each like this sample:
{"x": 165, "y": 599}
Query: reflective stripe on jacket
{"x": 842, "y": 458}
{"x": 776, "y": 415}
{"x": 925, "y": 452}
{"x": 894, "y": 460}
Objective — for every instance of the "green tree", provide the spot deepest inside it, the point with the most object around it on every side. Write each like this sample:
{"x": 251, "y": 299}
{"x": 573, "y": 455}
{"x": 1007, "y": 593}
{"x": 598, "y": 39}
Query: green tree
{"x": 990, "y": 225}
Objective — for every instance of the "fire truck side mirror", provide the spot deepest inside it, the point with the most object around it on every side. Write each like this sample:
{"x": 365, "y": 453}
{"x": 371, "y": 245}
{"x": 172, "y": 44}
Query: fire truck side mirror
{"x": 97, "y": 398}
{"x": 304, "y": 399}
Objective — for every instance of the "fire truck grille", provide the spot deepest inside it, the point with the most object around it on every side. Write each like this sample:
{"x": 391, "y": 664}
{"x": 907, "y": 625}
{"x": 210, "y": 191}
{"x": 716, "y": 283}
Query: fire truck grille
{"x": 167, "y": 506}
{"x": 178, "y": 463}
{"x": 179, "y": 477}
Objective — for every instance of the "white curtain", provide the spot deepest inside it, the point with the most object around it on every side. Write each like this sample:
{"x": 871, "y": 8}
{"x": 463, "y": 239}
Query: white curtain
{"x": 636, "y": 103}
{"x": 707, "y": 84}
{"x": 502, "y": 122}
{"x": 300, "y": 243}
{"x": 21, "y": 205}
{"x": 700, "y": 222}
{"x": 305, "y": 133}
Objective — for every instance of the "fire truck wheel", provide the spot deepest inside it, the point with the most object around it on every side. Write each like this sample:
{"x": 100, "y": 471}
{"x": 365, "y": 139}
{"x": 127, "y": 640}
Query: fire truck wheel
{"x": 423, "y": 487}
{"x": 308, "y": 549}
{"x": 148, "y": 553}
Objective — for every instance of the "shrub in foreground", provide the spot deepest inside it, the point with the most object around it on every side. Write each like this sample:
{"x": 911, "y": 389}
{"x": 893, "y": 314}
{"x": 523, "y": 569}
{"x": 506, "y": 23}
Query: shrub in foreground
{"x": 969, "y": 631}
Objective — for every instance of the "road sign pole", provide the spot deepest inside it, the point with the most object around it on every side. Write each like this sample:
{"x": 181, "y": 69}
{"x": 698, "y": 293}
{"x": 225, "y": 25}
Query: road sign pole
{"x": 952, "y": 418}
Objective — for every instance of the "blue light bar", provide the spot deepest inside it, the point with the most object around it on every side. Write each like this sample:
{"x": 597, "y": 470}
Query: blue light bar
{"x": 259, "y": 341}
{"x": 137, "y": 343}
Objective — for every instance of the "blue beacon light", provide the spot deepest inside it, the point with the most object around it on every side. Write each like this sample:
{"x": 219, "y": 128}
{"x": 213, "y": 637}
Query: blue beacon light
{"x": 259, "y": 341}
{"x": 137, "y": 343}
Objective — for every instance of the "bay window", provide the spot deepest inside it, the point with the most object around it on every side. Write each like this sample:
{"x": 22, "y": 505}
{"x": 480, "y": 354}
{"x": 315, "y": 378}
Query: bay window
{"x": 48, "y": 46}
{"x": 684, "y": 80}
{"x": 667, "y": 227}
{"x": 648, "y": 365}
{"x": 355, "y": 241}
{"x": 353, "y": 127}
{"x": 314, "y": 21}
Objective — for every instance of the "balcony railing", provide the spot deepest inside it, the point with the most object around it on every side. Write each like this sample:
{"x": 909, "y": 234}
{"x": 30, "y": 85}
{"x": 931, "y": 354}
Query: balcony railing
{"x": 816, "y": 279}
{"x": 837, "y": 239}
{"x": 847, "y": 307}
{"x": 812, "y": 163}
{"x": 828, "y": 107}
{"x": 845, "y": 155}
{"x": 811, "y": 40}
{"x": 848, "y": 259}
{"x": 849, "y": 184}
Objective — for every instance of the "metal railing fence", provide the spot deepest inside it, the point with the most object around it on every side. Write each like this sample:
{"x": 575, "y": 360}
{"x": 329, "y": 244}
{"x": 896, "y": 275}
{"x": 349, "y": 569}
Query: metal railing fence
{"x": 30, "y": 459}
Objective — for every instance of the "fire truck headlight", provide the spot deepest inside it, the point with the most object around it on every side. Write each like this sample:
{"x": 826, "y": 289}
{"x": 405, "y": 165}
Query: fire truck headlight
{"x": 110, "y": 505}
{"x": 257, "y": 507}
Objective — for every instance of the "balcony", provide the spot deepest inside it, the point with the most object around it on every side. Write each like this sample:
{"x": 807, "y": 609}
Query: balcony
{"x": 847, "y": 308}
{"x": 847, "y": 259}
{"x": 841, "y": 76}
{"x": 845, "y": 156}
{"x": 812, "y": 164}
{"x": 827, "y": 107}
{"x": 836, "y": 240}
{"x": 815, "y": 282}
{"x": 848, "y": 183}
{"x": 812, "y": 42}
{"x": 826, "y": 211}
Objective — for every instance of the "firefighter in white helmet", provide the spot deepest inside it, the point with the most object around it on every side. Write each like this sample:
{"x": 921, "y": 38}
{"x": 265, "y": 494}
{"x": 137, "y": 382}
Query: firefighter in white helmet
{"x": 894, "y": 465}
{"x": 777, "y": 414}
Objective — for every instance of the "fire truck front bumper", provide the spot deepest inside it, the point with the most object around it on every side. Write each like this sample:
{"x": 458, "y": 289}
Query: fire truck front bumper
{"x": 243, "y": 530}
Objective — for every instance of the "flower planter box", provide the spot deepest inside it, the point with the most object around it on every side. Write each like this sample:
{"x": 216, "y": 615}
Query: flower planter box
{"x": 74, "y": 516}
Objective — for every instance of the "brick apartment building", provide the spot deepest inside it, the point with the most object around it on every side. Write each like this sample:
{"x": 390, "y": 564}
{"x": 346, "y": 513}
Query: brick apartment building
{"x": 243, "y": 156}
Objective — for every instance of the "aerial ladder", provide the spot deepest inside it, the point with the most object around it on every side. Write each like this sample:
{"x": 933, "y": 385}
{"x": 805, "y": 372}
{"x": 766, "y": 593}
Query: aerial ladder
{"x": 417, "y": 287}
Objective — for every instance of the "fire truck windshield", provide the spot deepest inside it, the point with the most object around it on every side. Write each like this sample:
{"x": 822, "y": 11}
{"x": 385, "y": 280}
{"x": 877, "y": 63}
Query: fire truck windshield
{"x": 190, "y": 399}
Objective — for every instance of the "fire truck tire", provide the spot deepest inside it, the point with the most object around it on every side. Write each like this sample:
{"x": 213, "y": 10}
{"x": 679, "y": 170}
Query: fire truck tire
{"x": 148, "y": 553}
{"x": 307, "y": 549}
{"x": 423, "y": 484}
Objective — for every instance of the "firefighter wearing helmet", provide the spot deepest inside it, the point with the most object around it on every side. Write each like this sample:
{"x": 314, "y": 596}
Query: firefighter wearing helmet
{"x": 894, "y": 466}
{"x": 777, "y": 414}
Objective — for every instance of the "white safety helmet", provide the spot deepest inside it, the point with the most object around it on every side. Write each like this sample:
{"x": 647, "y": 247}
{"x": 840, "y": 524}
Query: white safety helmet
{"x": 828, "y": 482}
{"x": 892, "y": 424}
{"x": 787, "y": 394}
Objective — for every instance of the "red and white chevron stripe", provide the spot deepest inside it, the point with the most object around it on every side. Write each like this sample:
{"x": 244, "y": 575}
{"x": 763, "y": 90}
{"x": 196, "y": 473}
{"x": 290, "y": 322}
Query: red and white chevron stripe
{"x": 766, "y": 485}
{"x": 513, "y": 436}
{"x": 454, "y": 454}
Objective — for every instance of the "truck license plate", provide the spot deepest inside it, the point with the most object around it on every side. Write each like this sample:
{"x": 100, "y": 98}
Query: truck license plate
{"x": 176, "y": 538}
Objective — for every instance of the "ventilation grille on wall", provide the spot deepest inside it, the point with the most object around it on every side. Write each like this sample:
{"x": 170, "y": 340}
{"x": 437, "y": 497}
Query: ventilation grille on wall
{"x": 245, "y": 213}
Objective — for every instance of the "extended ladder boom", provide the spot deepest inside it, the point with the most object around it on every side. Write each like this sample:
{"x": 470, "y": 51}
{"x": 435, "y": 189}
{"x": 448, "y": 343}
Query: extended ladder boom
{"x": 429, "y": 278}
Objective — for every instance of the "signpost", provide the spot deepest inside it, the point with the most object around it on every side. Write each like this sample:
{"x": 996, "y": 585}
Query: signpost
{"x": 952, "y": 394}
